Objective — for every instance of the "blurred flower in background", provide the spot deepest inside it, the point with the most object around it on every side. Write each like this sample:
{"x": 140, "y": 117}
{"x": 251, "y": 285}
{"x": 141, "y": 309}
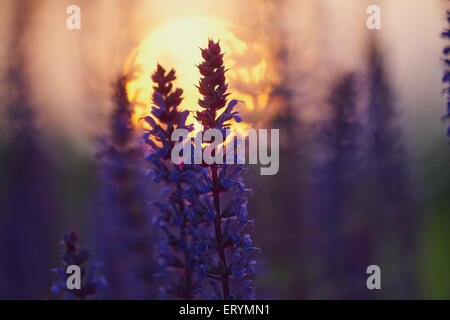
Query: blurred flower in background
{"x": 28, "y": 195}
{"x": 446, "y": 78}
{"x": 122, "y": 217}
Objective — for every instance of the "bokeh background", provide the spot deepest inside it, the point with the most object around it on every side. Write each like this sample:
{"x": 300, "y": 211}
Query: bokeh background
{"x": 364, "y": 156}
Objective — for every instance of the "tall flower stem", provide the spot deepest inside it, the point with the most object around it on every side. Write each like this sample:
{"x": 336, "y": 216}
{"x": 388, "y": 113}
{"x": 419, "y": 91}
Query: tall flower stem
{"x": 229, "y": 241}
{"x": 176, "y": 219}
{"x": 200, "y": 235}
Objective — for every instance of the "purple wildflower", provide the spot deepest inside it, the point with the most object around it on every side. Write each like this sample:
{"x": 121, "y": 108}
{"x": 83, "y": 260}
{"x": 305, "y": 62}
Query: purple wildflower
{"x": 177, "y": 218}
{"x": 232, "y": 259}
{"x": 74, "y": 255}
{"x": 205, "y": 240}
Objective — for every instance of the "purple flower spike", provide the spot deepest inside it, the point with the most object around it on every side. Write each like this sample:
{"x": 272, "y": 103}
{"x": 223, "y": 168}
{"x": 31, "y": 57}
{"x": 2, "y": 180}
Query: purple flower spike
{"x": 206, "y": 248}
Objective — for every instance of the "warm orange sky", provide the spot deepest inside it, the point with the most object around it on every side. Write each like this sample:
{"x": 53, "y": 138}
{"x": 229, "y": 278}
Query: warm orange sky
{"x": 71, "y": 71}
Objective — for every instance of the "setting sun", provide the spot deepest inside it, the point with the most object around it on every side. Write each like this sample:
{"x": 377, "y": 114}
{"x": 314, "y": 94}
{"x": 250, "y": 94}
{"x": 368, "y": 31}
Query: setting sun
{"x": 176, "y": 45}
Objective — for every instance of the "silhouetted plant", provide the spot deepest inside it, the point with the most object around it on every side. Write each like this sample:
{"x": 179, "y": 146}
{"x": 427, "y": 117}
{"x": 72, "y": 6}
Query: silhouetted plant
{"x": 204, "y": 243}
{"x": 231, "y": 243}
{"x": 175, "y": 213}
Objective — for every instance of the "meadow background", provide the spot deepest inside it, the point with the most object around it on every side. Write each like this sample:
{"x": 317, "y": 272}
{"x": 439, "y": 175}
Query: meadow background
{"x": 364, "y": 154}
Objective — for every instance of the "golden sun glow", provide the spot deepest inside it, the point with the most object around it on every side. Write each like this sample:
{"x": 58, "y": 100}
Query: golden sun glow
{"x": 176, "y": 45}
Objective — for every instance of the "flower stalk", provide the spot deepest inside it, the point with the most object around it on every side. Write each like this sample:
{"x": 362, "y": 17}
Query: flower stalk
{"x": 78, "y": 256}
{"x": 205, "y": 245}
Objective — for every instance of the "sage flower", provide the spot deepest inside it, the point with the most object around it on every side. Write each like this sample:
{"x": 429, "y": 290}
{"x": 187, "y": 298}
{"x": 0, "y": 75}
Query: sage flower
{"x": 206, "y": 248}
{"x": 75, "y": 255}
